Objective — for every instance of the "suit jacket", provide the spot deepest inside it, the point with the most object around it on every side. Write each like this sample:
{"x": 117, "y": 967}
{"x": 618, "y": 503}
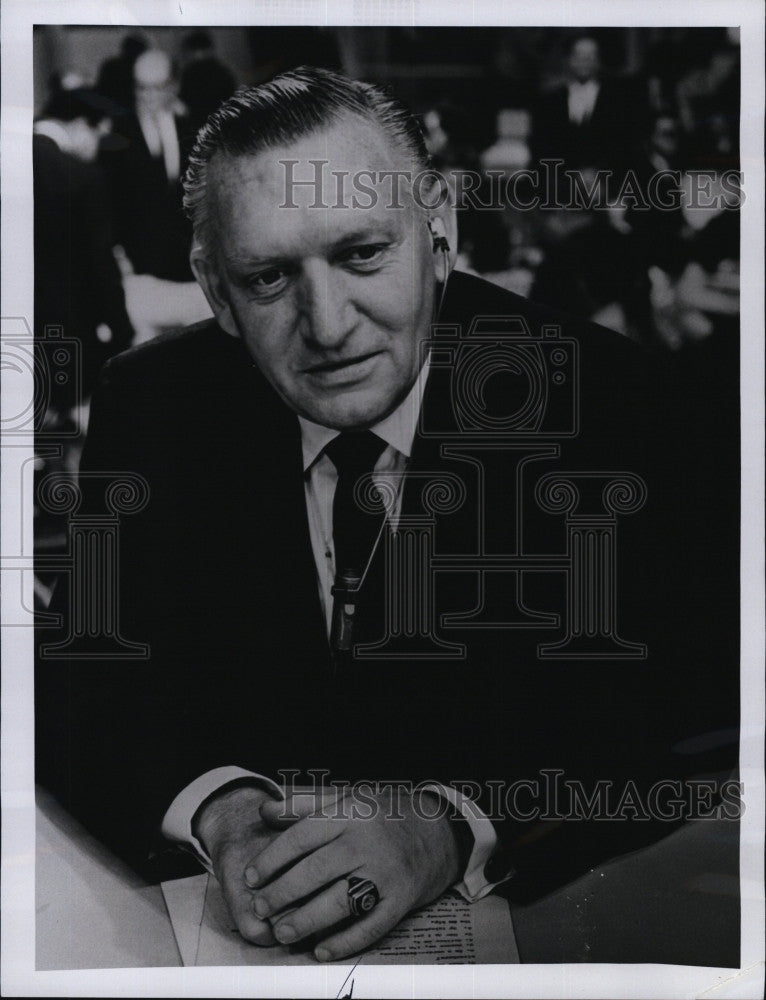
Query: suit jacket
{"x": 77, "y": 283}
{"x": 603, "y": 141}
{"x": 217, "y": 575}
{"x": 205, "y": 84}
{"x": 147, "y": 208}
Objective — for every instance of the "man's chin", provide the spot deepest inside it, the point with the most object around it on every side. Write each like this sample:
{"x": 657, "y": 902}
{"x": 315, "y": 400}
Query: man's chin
{"x": 346, "y": 413}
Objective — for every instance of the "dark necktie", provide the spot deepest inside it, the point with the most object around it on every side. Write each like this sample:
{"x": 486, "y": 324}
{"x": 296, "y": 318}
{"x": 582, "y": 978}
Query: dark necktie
{"x": 354, "y": 530}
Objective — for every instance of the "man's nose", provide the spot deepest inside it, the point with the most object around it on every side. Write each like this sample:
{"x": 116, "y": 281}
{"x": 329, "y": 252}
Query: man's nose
{"x": 329, "y": 316}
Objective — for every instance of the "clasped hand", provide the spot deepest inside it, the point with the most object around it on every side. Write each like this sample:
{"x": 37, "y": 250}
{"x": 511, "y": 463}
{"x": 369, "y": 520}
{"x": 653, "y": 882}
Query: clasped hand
{"x": 283, "y": 865}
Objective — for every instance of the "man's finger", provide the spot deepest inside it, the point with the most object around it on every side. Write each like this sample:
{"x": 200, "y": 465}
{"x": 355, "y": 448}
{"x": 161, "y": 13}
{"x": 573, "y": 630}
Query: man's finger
{"x": 239, "y": 901}
{"x": 319, "y": 914}
{"x": 320, "y": 868}
{"x": 360, "y": 935}
{"x": 295, "y": 843}
{"x": 252, "y": 929}
{"x": 283, "y": 813}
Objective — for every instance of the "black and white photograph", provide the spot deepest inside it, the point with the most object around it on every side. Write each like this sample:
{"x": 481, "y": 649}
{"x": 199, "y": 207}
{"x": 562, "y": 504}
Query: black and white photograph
{"x": 382, "y": 443}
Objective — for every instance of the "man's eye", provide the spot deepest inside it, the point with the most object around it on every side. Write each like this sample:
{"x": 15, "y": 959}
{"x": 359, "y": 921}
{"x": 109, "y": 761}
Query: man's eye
{"x": 266, "y": 279}
{"x": 367, "y": 253}
{"x": 268, "y": 284}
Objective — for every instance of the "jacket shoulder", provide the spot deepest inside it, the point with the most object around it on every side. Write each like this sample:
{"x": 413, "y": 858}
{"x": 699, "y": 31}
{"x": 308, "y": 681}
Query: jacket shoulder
{"x": 471, "y": 298}
{"x": 613, "y": 369}
{"x": 199, "y": 353}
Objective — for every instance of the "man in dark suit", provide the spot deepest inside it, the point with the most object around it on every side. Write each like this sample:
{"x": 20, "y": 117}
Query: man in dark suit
{"x": 77, "y": 282}
{"x": 428, "y": 652}
{"x": 205, "y": 82}
{"x": 115, "y": 78}
{"x": 144, "y": 161}
{"x": 587, "y": 121}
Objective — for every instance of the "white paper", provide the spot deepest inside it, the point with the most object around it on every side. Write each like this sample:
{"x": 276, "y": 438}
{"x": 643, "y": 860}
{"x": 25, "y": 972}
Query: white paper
{"x": 449, "y": 931}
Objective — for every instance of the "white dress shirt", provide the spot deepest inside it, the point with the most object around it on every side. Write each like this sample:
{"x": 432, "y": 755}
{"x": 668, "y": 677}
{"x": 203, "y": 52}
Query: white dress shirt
{"x": 161, "y": 137}
{"x": 582, "y": 100}
{"x": 320, "y": 480}
{"x": 55, "y": 132}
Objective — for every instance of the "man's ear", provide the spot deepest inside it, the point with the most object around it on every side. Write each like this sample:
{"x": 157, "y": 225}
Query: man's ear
{"x": 206, "y": 273}
{"x": 442, "y": 220}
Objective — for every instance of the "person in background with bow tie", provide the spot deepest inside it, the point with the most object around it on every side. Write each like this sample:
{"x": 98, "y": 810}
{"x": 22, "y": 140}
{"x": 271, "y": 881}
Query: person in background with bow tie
{"x": 585, "y": 121}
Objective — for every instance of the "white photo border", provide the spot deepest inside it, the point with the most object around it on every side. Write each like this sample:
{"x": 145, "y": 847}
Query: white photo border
{"x": 18, "y": 805}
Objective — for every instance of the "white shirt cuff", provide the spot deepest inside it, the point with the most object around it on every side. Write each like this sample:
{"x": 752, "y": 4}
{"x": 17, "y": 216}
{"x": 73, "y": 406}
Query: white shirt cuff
{"x": 474, "y": 885}
{"x": 177, "y": 822}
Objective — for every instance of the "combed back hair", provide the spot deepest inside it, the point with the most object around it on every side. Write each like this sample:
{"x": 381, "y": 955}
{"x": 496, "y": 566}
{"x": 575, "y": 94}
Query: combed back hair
{"x": 288, "y": 107}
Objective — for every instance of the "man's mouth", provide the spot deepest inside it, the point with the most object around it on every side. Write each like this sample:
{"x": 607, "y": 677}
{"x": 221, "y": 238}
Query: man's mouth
{"x": 347, "y": 370}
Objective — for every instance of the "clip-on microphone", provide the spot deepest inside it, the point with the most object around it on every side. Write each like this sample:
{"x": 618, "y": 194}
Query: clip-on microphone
{"x": 344, "y": 591}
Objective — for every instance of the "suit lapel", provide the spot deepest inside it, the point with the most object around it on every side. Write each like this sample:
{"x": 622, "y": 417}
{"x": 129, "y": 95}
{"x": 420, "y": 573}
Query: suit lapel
{"x": 271, "y": 509}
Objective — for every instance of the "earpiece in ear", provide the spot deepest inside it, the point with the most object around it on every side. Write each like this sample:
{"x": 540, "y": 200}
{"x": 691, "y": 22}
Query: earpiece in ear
{"x": 439, "y": 235}
{"x": 440, "y": 242}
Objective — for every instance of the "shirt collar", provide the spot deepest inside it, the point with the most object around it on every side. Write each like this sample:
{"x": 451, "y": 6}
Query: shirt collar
{"x": 583, "y": 86}
{"x": 397, "y": 429}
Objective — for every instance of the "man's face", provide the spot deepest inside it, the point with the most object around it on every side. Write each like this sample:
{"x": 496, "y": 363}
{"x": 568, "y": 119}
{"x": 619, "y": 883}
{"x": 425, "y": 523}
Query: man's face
{"x": 333, "y": 302}
{"x": 153, "y": 83}
{"x": 584, "y": 60}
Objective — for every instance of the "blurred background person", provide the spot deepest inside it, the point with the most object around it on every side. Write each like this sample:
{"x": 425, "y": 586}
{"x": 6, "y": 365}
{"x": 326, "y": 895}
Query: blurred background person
{"x": 508, "y": 154}
{"x": 591, "y": 267}
{"x": 707, "y": 97}
{"x": 115, "y": 78}
{"x": 656, "y": 226}
{"x": 510, "y": 150}
{"x": 450, "y": 136}
{"x": 77, "y": 282}
{"x": 144, "y": 162}
{"x": 696, "y": 293}
{"x": 585, "y": 121}
{"x": 205, "y": 82}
